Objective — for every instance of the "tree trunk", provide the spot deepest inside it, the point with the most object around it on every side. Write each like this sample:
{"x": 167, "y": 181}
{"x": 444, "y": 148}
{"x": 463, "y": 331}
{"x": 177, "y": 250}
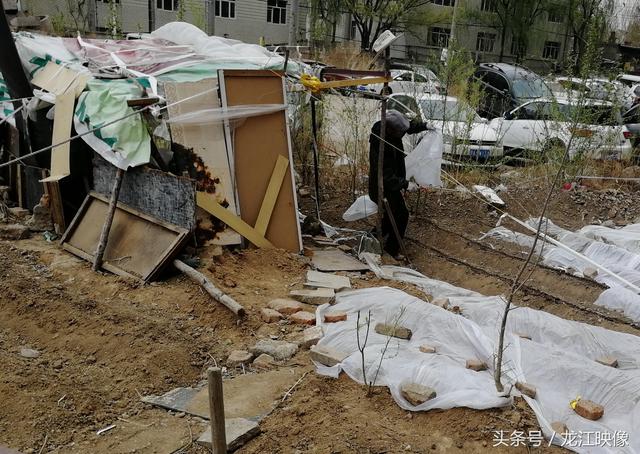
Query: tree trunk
{"x": 503, "y": 36}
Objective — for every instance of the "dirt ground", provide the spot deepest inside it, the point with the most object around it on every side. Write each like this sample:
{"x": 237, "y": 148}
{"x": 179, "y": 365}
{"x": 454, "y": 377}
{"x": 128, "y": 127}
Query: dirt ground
{"x": 104, "y": 341}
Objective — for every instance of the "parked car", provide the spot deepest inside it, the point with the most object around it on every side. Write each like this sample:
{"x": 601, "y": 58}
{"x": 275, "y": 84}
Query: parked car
{"x": 465, "y": 134}
{"x": 411, "y": 82}
{"x": 544, "y": 124}
{"x": 631, "y": 120}
{"x": 597, "y": 88}
{"x": 504, "y": 87}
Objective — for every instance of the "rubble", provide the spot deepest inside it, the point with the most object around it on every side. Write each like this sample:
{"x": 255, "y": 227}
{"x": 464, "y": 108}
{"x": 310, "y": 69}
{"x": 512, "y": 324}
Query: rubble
{"x": 526, "y": 389}
{"x": 285, "y": 306}
{"x": 417, "y": 394}
{"x": 393, "y": 330}
{"x": 303, "y": 318}
{"x": 476, "y": 364}
{"x": 610, "y": 361}
{"x": 279, "y": 350}
{"x": 264, "y": 361}
{"x": 41, "y": 220}
{"x": 270, "y": 315}
{"x": 316, "y": 297}
{"x": 239, "y": 357}
{"x": 14, "y": 232}
{"x": 311, "y": 336}
{"x": 29, "y": 353}
{"x": 333, "y": 317}
{"x": 327, "y": 356}
{"x": 589, "y": 410}
{"x": 427, "y": 349}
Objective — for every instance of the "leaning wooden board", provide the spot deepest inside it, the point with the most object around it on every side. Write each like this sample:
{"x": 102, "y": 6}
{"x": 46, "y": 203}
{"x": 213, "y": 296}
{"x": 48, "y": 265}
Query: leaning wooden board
{"x": 139, "y": 245}
{"x": 257, "y": 144}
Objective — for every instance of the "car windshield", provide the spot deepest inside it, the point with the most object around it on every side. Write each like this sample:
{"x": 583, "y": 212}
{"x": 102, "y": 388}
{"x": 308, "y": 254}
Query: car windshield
{"x": 593, "y": 114}
{"x": 530, "y": 88}
{"x": 449, "y": 110}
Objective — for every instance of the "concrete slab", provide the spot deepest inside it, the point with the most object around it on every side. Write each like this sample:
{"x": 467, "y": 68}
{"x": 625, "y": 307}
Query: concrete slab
{"x": 327, "y": 280}
{"x": 336, "y": 260}
{"x": 238, "y": 431}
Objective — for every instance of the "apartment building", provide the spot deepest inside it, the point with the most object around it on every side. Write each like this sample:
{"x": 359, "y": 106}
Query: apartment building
{"x": 251, "y": 21}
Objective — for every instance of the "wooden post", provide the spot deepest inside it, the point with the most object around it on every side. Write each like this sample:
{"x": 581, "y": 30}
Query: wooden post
{"x": 211, "y": 289}
{"x": 383, "y": 126}
{"x": 104, "y": 235}
{"x": 216, "y": 409}
{"x": 316, "y": 167}
{"x": 396, "y": 231}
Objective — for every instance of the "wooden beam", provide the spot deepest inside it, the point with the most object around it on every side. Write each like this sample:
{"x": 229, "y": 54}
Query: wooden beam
{"x": 104, "y": 235}
{"x": 216, "y": 409}
{"x": 209, "y": 204}
{"x": 271, "y": 196}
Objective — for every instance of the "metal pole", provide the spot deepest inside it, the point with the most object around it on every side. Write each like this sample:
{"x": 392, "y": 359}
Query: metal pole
{"x": 216, "y": 411}
{"x": 383, "y": 126}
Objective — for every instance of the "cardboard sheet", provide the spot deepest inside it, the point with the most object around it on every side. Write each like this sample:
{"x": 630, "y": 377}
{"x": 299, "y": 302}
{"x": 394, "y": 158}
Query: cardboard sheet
{"x": 257, "y": 144}
{"x": 139, "y": 245}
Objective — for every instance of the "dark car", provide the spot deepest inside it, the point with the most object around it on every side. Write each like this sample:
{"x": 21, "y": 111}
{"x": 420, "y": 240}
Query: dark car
{"x": 503, "y": 87}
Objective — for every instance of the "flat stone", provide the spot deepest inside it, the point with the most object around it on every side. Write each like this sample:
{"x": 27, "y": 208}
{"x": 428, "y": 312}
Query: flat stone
{"x": 441, "y": 302}
{"x": 476, "y": 364}
{"x": 270, "y": 315}
{"x": 608, "y": 361}
{"x": 526, "y": 389}
{"x": 327, "y": 280}
{"x": 334, "y": 317}
{"x": 394, "y": 331}
{"x": 303, "y": 318}
{"x": 279, "y": 350}
{"x": 13, "y": 232}
{"x": 589, "y": 272}
{"x": 589, "y": 410}
{"x": 285, "y": 306}
{"x": 335, "y": 260}
{"x": 427, "y": 349}
{"x": 327, "y": 356}
{"x": 417, "y": 394}
{"x": 311, "y": 336}
{"x": 315, "y": 297}
{"x": 560, "y": 428}
{"x": 238, "y": 431}
{"x": 264, "y": 361}
{"x": 29, "y": 353}
{"x": 238, "y": 357}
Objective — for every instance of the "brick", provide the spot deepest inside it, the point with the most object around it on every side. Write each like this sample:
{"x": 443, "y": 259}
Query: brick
{"x": 264, "y": 361}
{"x": 589, "y": 410}
{"x": 427, "y": 349}
{"x": 441, "y": 302}
{"x": 311, "y": 336}
{"x": 238, "y": 357}
{"x": 285, "y": 306}
{"x": 608, "y": 361}
{"x": 560, "y": 428}
{"x": 316, "y": 297}
{"x": 333, "y": 317}
{"x": 394, "y": 331}
{"x": 303, "y": 318}
{"x": 270, "y": 315}
{"x": 526, "y": 389}
{"x": 417, "y": 394}
{"x": 327, "y": 356}
{"x": 476, "y": 364}
{"x": 589, "y": 272}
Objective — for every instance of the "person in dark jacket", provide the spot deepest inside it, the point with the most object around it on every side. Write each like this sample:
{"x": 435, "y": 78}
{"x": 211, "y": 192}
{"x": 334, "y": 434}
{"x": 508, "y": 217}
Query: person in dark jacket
{"x": 394, "y": 173}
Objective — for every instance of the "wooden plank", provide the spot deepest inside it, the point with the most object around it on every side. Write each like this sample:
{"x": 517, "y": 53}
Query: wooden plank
{"x": 139, "y": 245}
{"x": 203, "y": 147}
{"x": 208, "y": 203}
{"x": 269, "y": 201}
{"x": 52, "y": 189}
{"x": 258, "y": 142}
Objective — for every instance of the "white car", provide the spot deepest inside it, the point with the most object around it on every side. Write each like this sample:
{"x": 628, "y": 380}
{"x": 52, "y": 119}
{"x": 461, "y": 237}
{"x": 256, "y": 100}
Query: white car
{"x": 543, "y": 124}
{"x": 465, "y": 134}
{"x": 411, "y": 82}
{"x": 602, "y": 89}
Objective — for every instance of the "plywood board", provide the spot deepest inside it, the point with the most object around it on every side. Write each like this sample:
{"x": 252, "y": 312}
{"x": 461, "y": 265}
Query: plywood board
{"x": 63, "y": 116}
{"x": 257, "y": 144}
{"x": 271, "y": 196}
{"x": 139, "y": 246}
{"x": 206, "y": 147}
{"x": 335, "y": 260}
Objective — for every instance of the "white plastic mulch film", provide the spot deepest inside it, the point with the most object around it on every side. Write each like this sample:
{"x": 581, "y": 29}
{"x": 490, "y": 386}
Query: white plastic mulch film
{"x": 559, "y": 358}
{"x": 618, "y": 250}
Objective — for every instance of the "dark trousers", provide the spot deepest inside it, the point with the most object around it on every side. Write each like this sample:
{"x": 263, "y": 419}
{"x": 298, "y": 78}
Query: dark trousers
{"x": 400, "y": 215}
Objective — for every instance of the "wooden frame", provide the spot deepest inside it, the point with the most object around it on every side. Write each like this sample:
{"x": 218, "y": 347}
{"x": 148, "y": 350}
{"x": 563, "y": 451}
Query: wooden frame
{"x": 109, "y": 264}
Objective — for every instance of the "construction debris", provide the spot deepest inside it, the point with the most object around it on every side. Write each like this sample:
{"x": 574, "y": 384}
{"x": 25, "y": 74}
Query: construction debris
{"x": 318, "y": 279}
{"x": 303, "y": 318}
{"x": 316, "y": 297}
{"x": 589, "y": 410}
{"x": 238, "y": 432}
{"x": 476, "y": 364}
{"x": 311, "y": 336}
{"x": 327, "y": 356}
{"x": 427, "y": 349}
{"x": 526, "y": 389}
{"x": 269, "y": 315}
{"x": 334, "y": 317}
{"x": 400, "y": 332}
{"x": 417, "y": 394}
{"x": 285, "y": 306}
{"x": 279, "y": 350}
{"x": 608, "y": 361}
{"x": 239, "y": 357}
{"x": 14, "y": 232}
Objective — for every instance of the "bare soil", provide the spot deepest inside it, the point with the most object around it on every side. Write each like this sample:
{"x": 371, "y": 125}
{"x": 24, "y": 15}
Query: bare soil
{"x": 105, "y": 341}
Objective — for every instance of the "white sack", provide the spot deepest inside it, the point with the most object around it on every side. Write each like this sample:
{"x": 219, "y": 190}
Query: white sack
{"x": 363, "y": 207}
{"x": 424, "y": 162}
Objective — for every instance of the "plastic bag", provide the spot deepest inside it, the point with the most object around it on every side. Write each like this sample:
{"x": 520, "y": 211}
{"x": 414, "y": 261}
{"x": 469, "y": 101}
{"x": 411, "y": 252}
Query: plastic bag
{"x": 360, "y": 209}
{"x": 423, "y": 163}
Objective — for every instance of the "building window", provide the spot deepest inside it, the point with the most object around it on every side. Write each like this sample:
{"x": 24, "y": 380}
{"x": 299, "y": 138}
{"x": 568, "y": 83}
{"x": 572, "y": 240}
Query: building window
{"x": 444, "y": 2}
{"x": 518, "y": 47}
{"x": 551, "y": 50}
{"x": 489, "y": 6}
{"x": 277, "y": 11}
{"x": 485, "y": 42}
{"x": 167, "y": 5}
{"x": 439, "y": 36}
{"x": 556, "y": 14}
{"x": 226, "y": 8}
